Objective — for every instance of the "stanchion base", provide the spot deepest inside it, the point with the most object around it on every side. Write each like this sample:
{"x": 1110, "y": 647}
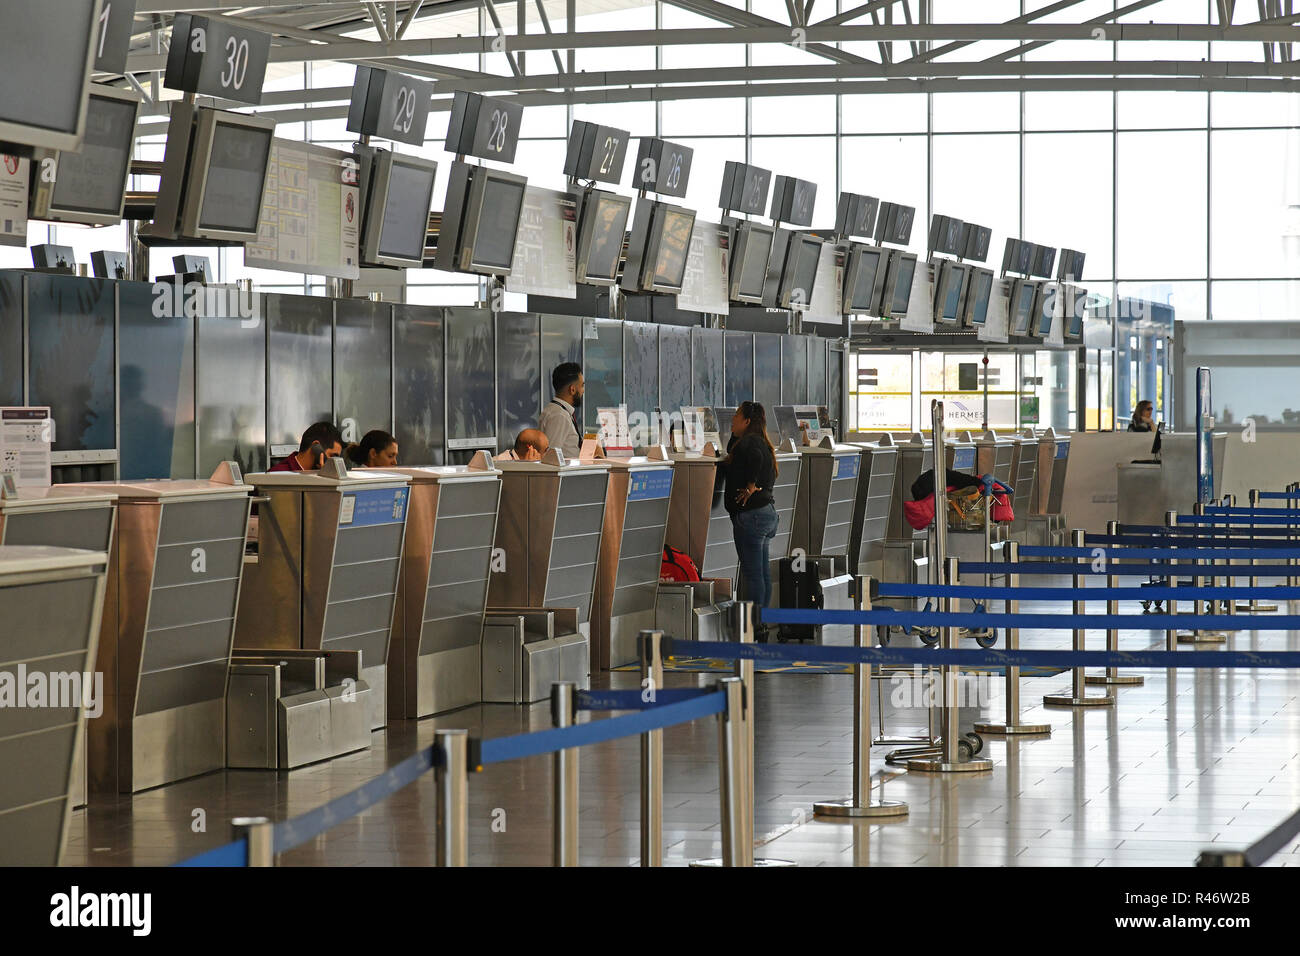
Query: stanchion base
{"x": 1129, "y": 680}
{"x": 874, "y": 808}
{"x": 1039, "y": 730}
{"x": 941, "y": 766}
{"x": 1203, "y": 637}
{"x": 1067, "y": 700}
{"x": 710, "y": 864}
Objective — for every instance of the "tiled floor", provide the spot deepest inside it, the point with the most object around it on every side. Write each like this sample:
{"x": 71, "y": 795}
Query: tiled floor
{"x": 1188, "y": 761}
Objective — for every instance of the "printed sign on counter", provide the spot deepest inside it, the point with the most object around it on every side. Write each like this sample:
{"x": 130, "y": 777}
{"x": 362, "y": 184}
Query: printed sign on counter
{"x": 651, "y": 483}
{"x": 372, "y": 506}
{"x": 26, "y": 435}
{"x": 14, "y": 178}
{"x": 615, "y": 437}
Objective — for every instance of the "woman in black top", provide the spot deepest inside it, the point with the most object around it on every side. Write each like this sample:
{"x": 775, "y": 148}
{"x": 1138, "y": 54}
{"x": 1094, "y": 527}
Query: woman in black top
{"x": 1142, "y": 418}
{"x": 750, "y": 472}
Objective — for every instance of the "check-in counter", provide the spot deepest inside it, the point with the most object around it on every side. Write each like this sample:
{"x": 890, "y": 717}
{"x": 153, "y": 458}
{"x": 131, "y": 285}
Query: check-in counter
{"x": 178, "y": 553}
{"x": 971, "y": 544}
{"x": 1046, "y": 520}
{"x": 51, "y": 600}
{"x": 700, "y": 526}
{"x": 61, "y": 516}
{"x": 1148, "y": 489}
{"x": 537, "y": 626}
{"x": 962, "y": 453}
{"x": 823, "y": 520}
{"x": 631, "y": 554}
{"x": 1024, "y": 481}
{"x": 871, "y": 508}
{"x": 435, "y": 660}
{"x": 329, "y": 548}
{"x": 905, "y": 548}
{"x": 995, "y": 455}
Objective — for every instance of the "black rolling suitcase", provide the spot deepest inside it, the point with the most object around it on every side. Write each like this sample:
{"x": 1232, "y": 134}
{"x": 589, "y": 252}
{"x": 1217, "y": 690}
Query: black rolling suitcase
{"x": 802, "y": 590}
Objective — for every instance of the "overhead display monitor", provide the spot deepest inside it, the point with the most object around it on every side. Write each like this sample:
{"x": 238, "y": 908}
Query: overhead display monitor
{"x": 89, "y": 186}
{"x": 487, "y": 127}
{"x": 749, "y": 262}
{"x": 389, "y": 105}
{"x": 600, "y": 236}
{"x": 948, "y": 292}
{"x": 47, "y": 49}
{"x": 670, "y": 243}
{"x": 979, "y": 290}
{"x": 899, "y": 273}
{"x": 227, "y": 176}
{"x": 864, "y": 278}
{"x": 1023, "y": 292}
{"x": 487, "y": 239}
{"x": 800, "y": 271}
{"x": 397, "y": 210}
{"x": 1048, "y": 302}
{"x": 596, "y": 152}
{"x": 1077, "y": 302}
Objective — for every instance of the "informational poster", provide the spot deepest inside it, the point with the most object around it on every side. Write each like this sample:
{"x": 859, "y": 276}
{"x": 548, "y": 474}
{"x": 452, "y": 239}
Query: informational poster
{"x": 615, "y": 437}
{"x": 546, "y": 245}
{"x": 996, "y": 322}
{"x": 26, "y": 435}
{"x": 700, "y": 426}
{"x": 828, "y": 288}
{"x": 1029, "y": 409}
{"x": 704, "y": 284}
{"x": 920, "y": 307}
{"x": 311, "y": 213}
{"x": 14, "y": 178}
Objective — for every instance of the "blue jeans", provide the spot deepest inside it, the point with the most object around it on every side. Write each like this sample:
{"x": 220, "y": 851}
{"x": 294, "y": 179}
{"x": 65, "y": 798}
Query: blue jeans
{"x": 754, "y": 531}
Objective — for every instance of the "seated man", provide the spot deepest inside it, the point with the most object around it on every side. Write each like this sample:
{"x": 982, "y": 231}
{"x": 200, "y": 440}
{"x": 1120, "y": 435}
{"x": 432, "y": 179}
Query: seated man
{"x": 530, "y": 445}
{"x": 322, "y": 440}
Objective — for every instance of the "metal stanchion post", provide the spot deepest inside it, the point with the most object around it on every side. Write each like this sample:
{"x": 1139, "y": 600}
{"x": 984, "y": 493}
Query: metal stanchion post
{"x": 1078, "y": 696}
{"x": 1171, "y": 635}
{"x": 861, "y": 805}
{"x": 1254, "y": 606}
{"x": 950, "y": 757}
{"x": 564, "y": 778}
{"x": 737, "y": 834}
{"x": 1112, "y": 674}
{"x": 650, "y": 650}
{"x": 452, "y": 780}
{"x": 261, "y": 843}
{"x": 1197, "y": 636}
{"x": 1012, "y": 724}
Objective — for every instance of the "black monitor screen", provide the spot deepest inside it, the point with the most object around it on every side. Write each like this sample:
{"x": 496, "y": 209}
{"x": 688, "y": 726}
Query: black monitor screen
{"x": 607, "y": 233}
{"x": 981, "y": 291}
{"x": 806, "y": 254}
{"x": 903, "y": 287}
{"x": 864, "y": 286}
{"x": 43, "y": 47}
{"x": 1023, "y": 310}
{"x": 1046, "y": 308}
{"x": 674, "y": 244}
{"x": 753, "y": 270}
{"x": 406, "y": 211}
{"x": 498, "y": 221}
{"x": 1079, "y": 306}
{"x": 952, "y": 293}
{"x": 91, "y": 180}
{"x": 232, "y": 198}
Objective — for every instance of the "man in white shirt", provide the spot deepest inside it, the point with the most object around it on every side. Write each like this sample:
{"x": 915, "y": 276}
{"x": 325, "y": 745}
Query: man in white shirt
{"x": 559, "y": 418}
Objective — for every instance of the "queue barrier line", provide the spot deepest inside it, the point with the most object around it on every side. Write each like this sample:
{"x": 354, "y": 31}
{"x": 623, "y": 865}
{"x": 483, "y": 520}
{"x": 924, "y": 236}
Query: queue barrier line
{"x": 1238, "y": 519}
{"x": 1045, "y": 622}
{"x": 1154, "y": 554}
{"x": 232, "y": 854}
{"x": 1167, "y": 529}
{"x": 1150, "y": 593}
{"x": 1250, "y": 512}
{"x": 1286, "y": 495}
{"x": 636, "y": 699}
{"x": 517, "y": 746}
{"x": 1258, "y": 853}
{"x": 977, "y": 657}
{"x": 1189, "y": 541}
{"x": 1119, "y": 570}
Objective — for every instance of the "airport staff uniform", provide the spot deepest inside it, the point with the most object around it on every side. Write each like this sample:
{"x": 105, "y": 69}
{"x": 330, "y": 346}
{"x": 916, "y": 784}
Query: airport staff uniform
{"x": 560, "y": 423}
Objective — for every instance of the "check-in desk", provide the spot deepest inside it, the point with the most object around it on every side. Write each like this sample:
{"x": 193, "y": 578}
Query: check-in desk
{"x": 50, "y": 601}
{"x": 536, "y": 629}
{"x": 1024, "y": 481}
{"x": 872, "y": 504}
{"x": 971, "y": 544}
{"x": 1046, "y": 520}
{"x": 309, "y": 672}
{"x": 905, "y": 556}
{"x": 995, "y": 455}
{"x": 1148, "y": 489}
{"x": 823, "y": 520}
{"x": 61, "y": 516}
{"x": 178, "y": 554}
{"x": 699, "y": 525}
{"x": 435, "y": 660}
{"x": 631, "y": 554}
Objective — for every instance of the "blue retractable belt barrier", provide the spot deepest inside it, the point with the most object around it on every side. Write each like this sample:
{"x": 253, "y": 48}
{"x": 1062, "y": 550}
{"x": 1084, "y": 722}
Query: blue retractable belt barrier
{"x": 1280, "y": 494}
{"x": 1188, "y": 541}
{"x": 516, "y": 746}
{"x": 232, "y": 854}
{"x": 635, "y": 699}
{"x": 1056, "y": 622}
{"x": 1162, "y": 529}
{"x": 1153, "y": 554}
{"x": 1236, "y": 519}
{"x": 1119, "y": 570}
{"x": 1251, "y": 512}
{"x": 1145, "y": 593}
{"x": 975, "y": 657}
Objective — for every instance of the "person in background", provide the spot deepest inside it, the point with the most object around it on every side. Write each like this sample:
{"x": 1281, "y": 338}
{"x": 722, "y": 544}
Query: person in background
{"x": 749, "y": 471}
{"x": 377, "y": 449}
{"x": 1142, "y": 421}
{"x": 559, "y": 419}
{"x": 530, "y": 445}
{"x": 319, "y": 442}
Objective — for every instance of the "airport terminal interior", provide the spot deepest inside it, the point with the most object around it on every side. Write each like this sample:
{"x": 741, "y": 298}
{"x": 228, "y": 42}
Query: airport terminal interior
{"x": 482, "y": 433}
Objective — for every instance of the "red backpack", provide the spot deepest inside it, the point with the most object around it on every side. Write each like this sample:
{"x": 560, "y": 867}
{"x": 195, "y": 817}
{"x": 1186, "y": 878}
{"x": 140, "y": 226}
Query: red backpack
{"x": 677, "y": 566}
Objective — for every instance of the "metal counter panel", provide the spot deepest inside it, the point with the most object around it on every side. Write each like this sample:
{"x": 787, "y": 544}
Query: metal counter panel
{"x": 675, "y": 378}
{"x": 418, "y": 383}
{"x": 11, "y": 337}
{"x": 363, "y": 365}
{"x": 707, "y": 364}
{"x": 738, "y": 367}
{"x": 602, "y": 369}
{"x": 471, "y": 399}
{"x": 232, "y": 394}
{"x": 62, "y": 605}
{"x": 87, "y": 528}
{"x": 299, "y": 330}
{"x": 157, "y": 388}
{"x": 518, "y": 373}
{"x": 794, "y": 370}
{"x": 767, "y": 377}
{"x": 640, "y": 367}
{"x": 784, "y": 493}
{"x": 817, "y": 391}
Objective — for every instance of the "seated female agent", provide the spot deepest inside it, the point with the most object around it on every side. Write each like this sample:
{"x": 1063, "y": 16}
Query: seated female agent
{"x": 377, "y": 449}
{"x": 1142, "y": 420}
